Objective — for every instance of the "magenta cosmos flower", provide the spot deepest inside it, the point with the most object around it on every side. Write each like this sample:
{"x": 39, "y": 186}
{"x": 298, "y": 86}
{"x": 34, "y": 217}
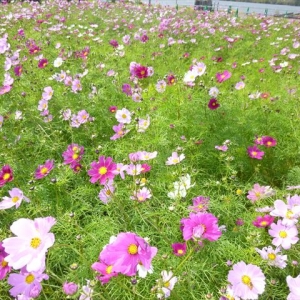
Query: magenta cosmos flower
{"x": 200, "y": 204}
{"x": 4, "y": 267}
{"x": 200, "y": 226}
{"x": 6, "y": 175}
{"x": 15, "y": 199}
{"x": 127, "y": 252}
{"x": 102, "y": 170}
{"x": 179, "y": 249}
{"x": 248, "y": 281}
{"x": 263, "y": 221}
{"x": 255, "y": 152}
{"x": 213, "y": 104}
{"x": 43, "y": 170}
{"x": 223, "y": 76}
{"x": 268, "y": 141}
{"x": 29, "y": 246}
{"x": 42, "y": 63}
{"x": 73, "y": 154}
{"x": 104, "y": 270}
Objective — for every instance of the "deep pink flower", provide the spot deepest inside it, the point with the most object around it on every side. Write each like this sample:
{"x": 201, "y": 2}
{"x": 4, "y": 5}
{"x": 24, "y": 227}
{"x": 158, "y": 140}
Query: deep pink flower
{"x": 248, "y": 281}
{"x": 200, "y": 226}
{"x": 179, "y": 249}
{"x": 29, "y": 246}
{"x": 213, "y": 104}
{"x": 127, "y": 252}
{"x": 6, "y": 175}
{"x": 144, "y": 38}
{"x": 73, "y": 154}
{"x": 43, "y": 170}
{"x": 126, "y": 88}
{"x": 34, "y": 49}
{"x": 76, "y": 167}
{"x": 104, "y": 270}
{"x": 255, "y": 152}
{"x": 114, "y": 43}
{"x": 4, "y": 267}
{"x": 141, "y": 71}
{"x": 113, "y": 109}
{"x": 18, "y": 70}
{"x": 223, "y": 76}
{"x": 171, "y": 79}
{"x": 42, "y": 63}
{"x": 102, "y": 170}
{"x": 263, "y": 221}
{"x": 146, "y": 168}
{"x": 268, "y": 141}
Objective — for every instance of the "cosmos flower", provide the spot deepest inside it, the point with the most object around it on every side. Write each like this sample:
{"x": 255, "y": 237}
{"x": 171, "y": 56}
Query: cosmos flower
{"x": 255, "y": 152}
{"x": 15, "y": 199}
{"x": 6, "y": 175}
{"x": 223, "y": 76}
{"x": 43, "y": 170}
{"x": 213, "y": 104}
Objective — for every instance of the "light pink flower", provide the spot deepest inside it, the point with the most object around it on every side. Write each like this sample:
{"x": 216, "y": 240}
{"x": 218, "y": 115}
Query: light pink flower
{"x": 141, "y": 195}
{"x": 107, "y": 192}
{"x": 273, "y": 256}
{"x": 123, "y": 116}
{"x": 29, "y": 246}
{"x": 48, "y": 93}
{"x": 260, "y": 192}
{"x": 175, "y": 159}
{"x": 294, "y": 286}
{"x": 15, "y": 199}
{"x": 289, "y": 213}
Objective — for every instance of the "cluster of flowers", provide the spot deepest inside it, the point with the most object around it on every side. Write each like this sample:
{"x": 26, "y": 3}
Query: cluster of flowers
{"x": 197, "y": 69}
{"x": 72, "y": 156}
{"x": 139, "y": 71}
{"x": 105, "y": 170}
{"x": 43, "y": 103}
{"x": 26, "y": 252}
{"x": 78, "y": 119}
{"x": 162, "y": 84}
{"x": 135, "y": 93}
{"x": 181, "y": 187}
{"x": 126, "y": 254}
{"x": 255, "y": 152}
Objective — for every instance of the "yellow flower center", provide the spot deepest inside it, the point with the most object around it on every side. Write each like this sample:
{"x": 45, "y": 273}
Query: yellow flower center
{"x": 282, "y": 234}
{"x": 15, "y": 199}
{"x": 263, "y": 223}
{"x": 4, "y": 263}
{"x": 35, "y": 242}
{"x": 271, "y": 256}
{"x": 75, "y": 156}
{"x": 269, "y": 143}
{"x": 44, "y": 170}
{"x": 124, "y": 116}
{"x": 120, "y": 132}
{"x": 140, "y": 198}
{"x": 239, "y": 192}
{"x": 246, "y": 280}
{"x": 108, "y": 192}
{"x": 180, "y": 251}
{"x": 108, "y": 269}
{"x": 254, "y": 153}
{"x": 142, "y": 72}
{"x": 167, "y": 284}
{"x": 6, "y": 176}
{"x": 102, "y": 170}
{"x": 29, "y": 279}
{"x": 143, "y": 180}
{"x": 257, "y": 194}
{"x": 289, "y": 214}
{"x": 132, "y": 249}
{"x": 175, "y": 160}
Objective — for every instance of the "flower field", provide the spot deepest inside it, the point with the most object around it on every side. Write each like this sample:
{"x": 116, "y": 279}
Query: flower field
{"x": 148, "y": 153}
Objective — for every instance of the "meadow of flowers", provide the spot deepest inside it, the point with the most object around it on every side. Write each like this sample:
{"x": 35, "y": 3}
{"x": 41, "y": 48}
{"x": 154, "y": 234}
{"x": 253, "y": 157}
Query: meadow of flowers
{"x": 148, "y": 153}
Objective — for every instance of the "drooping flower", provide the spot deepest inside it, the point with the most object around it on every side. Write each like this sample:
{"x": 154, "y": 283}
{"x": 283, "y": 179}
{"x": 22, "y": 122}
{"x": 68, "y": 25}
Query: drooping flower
{"x": 294, "y": 286}
{"x": 200, "y": 204}
{"x": 6, "y": 175}
{"x": 263, "y": 221}
{"x": 15, "y": 199}
{"x": 27, "y": 283}
{"x": 223, "y": 76}
{"x": 70, "y": 288}
{"x": 273, "y": 256}
{"x": 255, "y": 152}
{"x": 175, "y": 159}
{"x": 213, "y": 104}
{"x": 248, "y": 281}
{"x": 200, "y": 226}
{"x": 43, "y": 170}
{"x": 283, "y": 236}
{"x": 166, "y": 284}
{"x": 29, "y": 246}
{"x": 102, "y": 170}
{"x": 179, "y": 249}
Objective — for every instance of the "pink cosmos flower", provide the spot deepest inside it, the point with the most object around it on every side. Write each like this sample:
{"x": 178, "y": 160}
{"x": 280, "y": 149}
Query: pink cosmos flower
{"x": 31, "y": 243}
{"x": 102, "y": 170}
{"x": 126, "y": 88}
{"x": 83, "y": 116}
{"x": 260, "y": 192}
{"x": 141, "y": 195}
{"x": 104, "y": 270}
{"x": 15, "y": 199}
{"x": 294, "y": 286}
{"x": 43, "y": 170}
{"x": 121, "y": 168}
{"x": 289, "y": 213}
{"x": 113, "y": 109}
{"x": 4, "y": 267}
{"x": 48, "y": 93}
{"x": 107, "y": 192}
{"x": 179, "y": 249}
{"x": 223, "y": 76}
{"x": 6, "y": 175}
{"x": 114, "y": 43}
{"x": 268, "y": 141}
{"x": 273, "y": 256}
{"x": 134, "y": 170}
{"x": 120, "y": 131}
{"x": 175, "y": 159}
{"x": 145, "y": 168}
{"x": 43, "y": 63}
{"x": 87, "y": 291}
{"x": 223, "y": 148}
{"x": 5, "y": 89}
{"x": 240, "y": 85}
{"x": 200, "y": 204}
{"x": 263, "y": 221}
{"x": 248, "y": 281}
{"x": 73, "y": 154}
{"x": 255, "y": 152}
{"x": 70, "y": 288}
{"x": 283, "y": 236}
{"x": 200, "y": 226}
{"x": 18, "y": 70}
{"x": 27, "y": 283}
{"x": 76, "y": 85}
{"x": 127, "y": 252}
{"x": 213, "y": 104}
